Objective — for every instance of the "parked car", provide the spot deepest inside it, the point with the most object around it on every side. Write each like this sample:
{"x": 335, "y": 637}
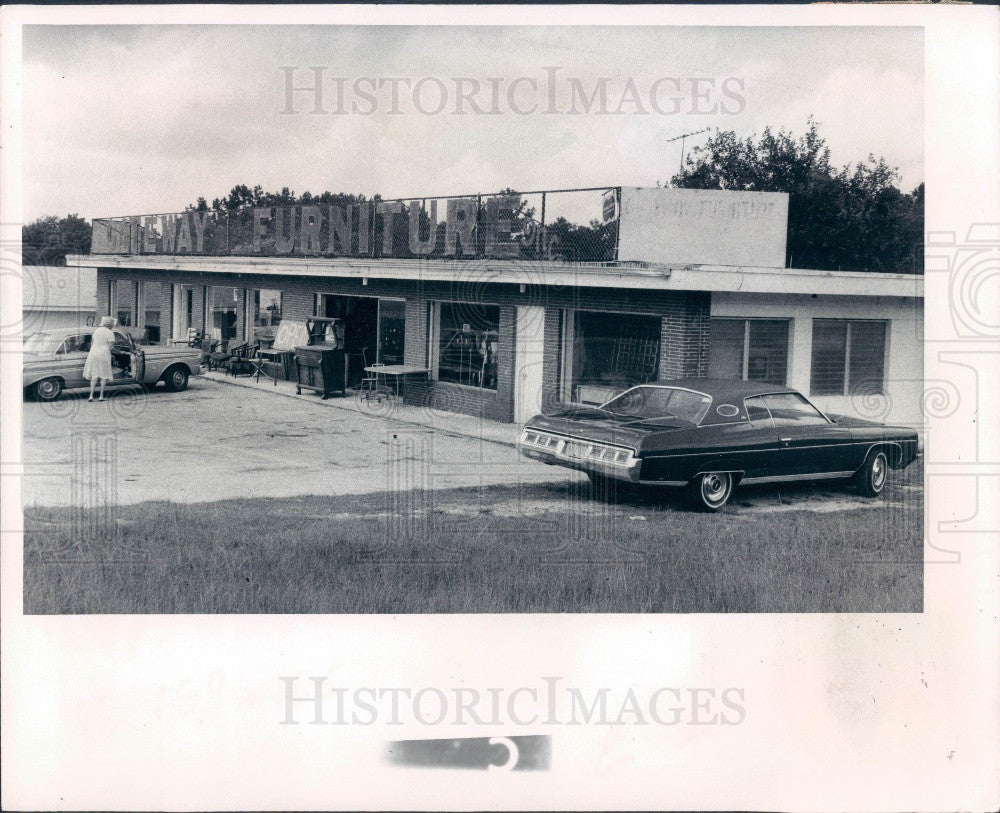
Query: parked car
{"x": 53, "y": 363}
{"x": 710, "y": 435}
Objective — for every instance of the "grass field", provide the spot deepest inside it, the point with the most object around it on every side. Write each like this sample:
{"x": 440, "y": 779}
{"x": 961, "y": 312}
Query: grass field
{"x": 555, "y": 548}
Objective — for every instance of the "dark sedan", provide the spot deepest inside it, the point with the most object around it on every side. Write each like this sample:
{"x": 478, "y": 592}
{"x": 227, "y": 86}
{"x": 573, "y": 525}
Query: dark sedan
{"x": 709, "y": 435}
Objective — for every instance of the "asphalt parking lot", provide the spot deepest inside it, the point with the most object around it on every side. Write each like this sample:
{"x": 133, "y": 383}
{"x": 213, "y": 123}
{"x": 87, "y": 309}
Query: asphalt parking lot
{"x": 217, "y": 441}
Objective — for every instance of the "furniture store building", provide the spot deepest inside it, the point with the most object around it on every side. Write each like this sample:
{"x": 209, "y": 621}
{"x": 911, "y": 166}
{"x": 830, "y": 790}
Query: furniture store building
{"x": 500, "y": 307}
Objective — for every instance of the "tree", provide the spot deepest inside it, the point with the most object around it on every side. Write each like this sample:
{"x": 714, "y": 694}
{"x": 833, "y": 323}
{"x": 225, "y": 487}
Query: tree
{"x": 594, "y": 242}
{"x": 47, "y": 240}
{"x": 851, "y": 218}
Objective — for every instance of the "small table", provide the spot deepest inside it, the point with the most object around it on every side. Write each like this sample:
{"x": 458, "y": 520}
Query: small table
{"x": 395, "y": 371}
{"x": 267, "y": 354}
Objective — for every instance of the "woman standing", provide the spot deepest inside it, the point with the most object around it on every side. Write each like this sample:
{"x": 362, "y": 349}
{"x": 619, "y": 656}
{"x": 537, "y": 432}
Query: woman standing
{"x": 98, "y": 364}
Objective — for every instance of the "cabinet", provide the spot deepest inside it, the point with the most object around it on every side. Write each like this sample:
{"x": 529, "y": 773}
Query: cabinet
{"x": 322, "y": 368}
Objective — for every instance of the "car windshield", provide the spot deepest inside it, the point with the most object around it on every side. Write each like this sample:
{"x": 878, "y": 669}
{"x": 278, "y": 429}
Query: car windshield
{"x": 647, "y": 403}
{"x": 42, "y": 343}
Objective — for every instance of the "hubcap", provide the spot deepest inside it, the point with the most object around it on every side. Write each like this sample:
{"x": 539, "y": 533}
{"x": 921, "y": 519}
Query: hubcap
{"x": 48, "y": 388}
{"x": 878, "y": 471}
{"x": 714, "y": 487}
{"x": 178, "y": 378}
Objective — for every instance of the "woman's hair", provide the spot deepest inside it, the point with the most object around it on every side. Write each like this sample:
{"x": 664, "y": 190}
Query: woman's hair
{"x": 107, "y": 321}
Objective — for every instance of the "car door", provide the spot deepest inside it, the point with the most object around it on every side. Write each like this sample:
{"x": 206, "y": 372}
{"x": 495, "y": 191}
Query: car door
{"x": 71, "y": 356}
{"x": 808, "y": 443}
{"x": 124, "y": 352}
{"x": 758, "y": 448}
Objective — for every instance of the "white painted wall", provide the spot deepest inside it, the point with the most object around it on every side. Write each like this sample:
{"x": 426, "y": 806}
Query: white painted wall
{"x": 904, "y": 373}
{"x": 703, "y": 226}
{"x": 529, "y": 345}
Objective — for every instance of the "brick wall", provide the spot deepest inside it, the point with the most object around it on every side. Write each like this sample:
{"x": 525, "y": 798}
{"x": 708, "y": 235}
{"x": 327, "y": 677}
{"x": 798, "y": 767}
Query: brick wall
{"x": 552, "y": 357}
{"x": 684, "y": 338}
{"x": 103, "y": 295}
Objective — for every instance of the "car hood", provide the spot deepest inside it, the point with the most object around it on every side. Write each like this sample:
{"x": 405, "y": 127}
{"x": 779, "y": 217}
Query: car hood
{"x": 34, "y": 358}
{"x": 589, "y": 423}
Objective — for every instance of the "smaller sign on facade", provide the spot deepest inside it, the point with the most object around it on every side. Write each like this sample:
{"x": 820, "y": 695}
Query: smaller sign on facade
{"x": 703, "y": 227}
{"x": 609, "y": 207}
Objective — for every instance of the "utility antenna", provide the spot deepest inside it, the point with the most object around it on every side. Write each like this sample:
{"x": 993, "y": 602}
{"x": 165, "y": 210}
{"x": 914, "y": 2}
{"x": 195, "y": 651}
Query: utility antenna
{"x": 682, "y": 138}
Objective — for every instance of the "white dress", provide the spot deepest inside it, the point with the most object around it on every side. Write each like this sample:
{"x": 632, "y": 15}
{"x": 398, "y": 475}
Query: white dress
{"x": 98, "y": 364}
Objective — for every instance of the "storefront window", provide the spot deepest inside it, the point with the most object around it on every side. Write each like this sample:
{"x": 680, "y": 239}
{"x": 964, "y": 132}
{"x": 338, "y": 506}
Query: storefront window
{"x": 152, "y": 303}
{"x": 847, "y": 357}
{"x": 266, "y": 308}
{"x": 264, "y": 314}
{"x": 469, "y": 340}
{"x": 391, "y": 330}
{"x": 222, "y": 313}
{"x": 125, "y": 295}
{"x": 749, "y": 349}
{"x": 611, "y": 352}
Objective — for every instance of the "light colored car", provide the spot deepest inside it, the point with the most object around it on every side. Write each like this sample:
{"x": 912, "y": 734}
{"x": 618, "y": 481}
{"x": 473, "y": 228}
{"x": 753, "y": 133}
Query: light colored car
{"x": 53, "y": 363}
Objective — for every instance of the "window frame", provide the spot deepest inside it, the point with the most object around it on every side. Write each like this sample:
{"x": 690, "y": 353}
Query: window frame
{"x": 824, "y": 418}
{"x": 567, "y": 337}
{"x": 845, "y": 389}
{"x": 745, "y": 354}
{"x": 434, "y": 349}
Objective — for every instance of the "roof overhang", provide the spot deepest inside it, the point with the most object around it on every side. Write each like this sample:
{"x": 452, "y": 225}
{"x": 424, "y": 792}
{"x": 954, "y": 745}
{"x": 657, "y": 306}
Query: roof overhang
{"x": 631, "y": 275}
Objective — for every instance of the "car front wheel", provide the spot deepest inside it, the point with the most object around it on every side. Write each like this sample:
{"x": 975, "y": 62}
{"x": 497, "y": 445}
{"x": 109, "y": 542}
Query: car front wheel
{"x": 710, "y": 491}
{"x": 871, "y": 477}
{"x": 176, "y": 379}
{"x": 48, "y": 389}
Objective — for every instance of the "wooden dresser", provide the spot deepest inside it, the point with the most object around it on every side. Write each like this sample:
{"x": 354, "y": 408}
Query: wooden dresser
{"x": 321, "y": 367}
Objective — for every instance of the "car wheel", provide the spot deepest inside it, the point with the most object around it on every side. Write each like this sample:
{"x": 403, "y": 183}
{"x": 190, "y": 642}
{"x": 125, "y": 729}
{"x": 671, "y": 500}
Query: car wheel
{"x": 711, "y": 490}
{"x": 871, "y": 477}
{"x": 48, "y": 389}
{"x": 176, "y": 379}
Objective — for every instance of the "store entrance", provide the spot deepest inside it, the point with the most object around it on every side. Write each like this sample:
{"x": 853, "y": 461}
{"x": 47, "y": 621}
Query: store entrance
{"x": 360, "y": 315}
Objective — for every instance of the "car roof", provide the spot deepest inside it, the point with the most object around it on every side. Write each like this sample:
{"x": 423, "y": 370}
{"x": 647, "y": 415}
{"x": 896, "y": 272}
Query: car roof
{"x": 724, "y": 389}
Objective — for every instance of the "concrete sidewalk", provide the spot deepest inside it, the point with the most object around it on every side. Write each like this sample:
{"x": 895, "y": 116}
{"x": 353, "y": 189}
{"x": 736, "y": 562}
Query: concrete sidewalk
{"x": 451, "y": 424}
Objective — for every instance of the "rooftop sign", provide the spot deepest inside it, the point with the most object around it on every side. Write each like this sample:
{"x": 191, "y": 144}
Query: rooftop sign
{"x": 659, "y": 225}
{"x": 491, "y": 226}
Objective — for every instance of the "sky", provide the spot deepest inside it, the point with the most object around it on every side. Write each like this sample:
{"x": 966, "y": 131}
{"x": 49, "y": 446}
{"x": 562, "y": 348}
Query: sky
{"x": 145, "y": 119}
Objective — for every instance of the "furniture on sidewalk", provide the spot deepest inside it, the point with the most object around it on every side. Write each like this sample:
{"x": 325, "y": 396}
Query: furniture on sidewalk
{"x": 396, "y": 372}
{"x": 321, "y": 365}
{"x": 220, "y": 356}
{"x": 274, "y": 360}
{"x": 243, "y": 360}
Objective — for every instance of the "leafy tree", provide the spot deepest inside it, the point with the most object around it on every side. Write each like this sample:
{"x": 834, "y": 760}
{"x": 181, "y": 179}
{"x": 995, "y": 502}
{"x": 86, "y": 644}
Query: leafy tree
{"x": 47, "y": 240}
{"x": 850, "y": 218}
{"x": 593, "y": 242}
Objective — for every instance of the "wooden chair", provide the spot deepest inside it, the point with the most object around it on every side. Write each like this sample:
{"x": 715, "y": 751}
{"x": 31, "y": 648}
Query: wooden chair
{"x": 243, "y": 360}
{"x": 218, "y": 358}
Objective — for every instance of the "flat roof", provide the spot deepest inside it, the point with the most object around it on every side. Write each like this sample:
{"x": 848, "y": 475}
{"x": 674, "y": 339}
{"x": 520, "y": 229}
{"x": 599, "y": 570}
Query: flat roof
{"x": 632, "y": 275}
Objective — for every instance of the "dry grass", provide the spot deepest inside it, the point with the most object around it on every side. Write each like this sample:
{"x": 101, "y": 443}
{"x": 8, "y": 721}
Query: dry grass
{"x": 533, "y": 549}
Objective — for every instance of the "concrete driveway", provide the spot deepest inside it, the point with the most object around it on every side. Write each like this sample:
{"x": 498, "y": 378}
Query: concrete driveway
{"x": 219, "y": 441}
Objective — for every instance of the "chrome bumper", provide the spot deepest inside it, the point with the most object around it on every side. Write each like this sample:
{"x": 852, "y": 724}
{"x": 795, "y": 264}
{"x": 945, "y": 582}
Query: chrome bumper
{"x": 628, "y": 472}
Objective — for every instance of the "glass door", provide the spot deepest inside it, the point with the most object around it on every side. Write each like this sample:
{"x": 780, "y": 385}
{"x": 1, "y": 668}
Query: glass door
{"x": 391, "y": 331}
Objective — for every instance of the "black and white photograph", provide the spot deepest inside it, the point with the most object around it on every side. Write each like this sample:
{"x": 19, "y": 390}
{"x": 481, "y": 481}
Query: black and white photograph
{"x": 378, "y": 370}
{"x": 680, "y": 371}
